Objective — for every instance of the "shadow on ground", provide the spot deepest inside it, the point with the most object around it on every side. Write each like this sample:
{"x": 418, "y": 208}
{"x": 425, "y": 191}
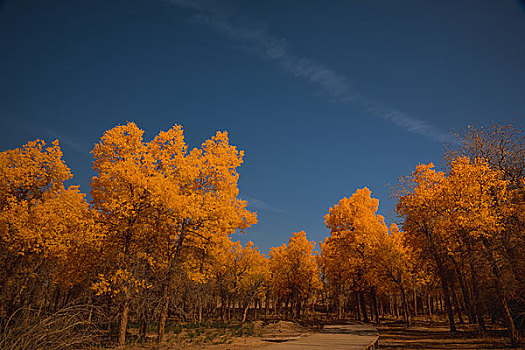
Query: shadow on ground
{"x": 434, "y": 335}
{"x": 346, "y": 330}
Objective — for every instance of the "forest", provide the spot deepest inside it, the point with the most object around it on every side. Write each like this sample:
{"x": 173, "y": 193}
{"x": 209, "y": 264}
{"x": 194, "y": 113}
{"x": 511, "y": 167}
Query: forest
{"x": 151, "y": 249}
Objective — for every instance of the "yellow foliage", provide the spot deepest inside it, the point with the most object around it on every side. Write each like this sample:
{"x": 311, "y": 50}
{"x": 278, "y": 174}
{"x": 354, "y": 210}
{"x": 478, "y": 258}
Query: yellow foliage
{"x": 162, "y": 204}
{"x": 357, "y": 233}
{"x": 44, "y": 227}
{"x": 293, "y": 267}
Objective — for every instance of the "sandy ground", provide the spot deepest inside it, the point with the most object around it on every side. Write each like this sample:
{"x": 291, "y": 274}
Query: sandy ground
{"x": 263, "y": 334}
{"x": 394, "y": 335}
{"x": 278, "y": 335}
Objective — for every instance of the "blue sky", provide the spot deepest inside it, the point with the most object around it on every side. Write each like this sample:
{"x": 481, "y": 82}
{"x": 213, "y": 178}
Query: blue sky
{"x": 324, "y": 97}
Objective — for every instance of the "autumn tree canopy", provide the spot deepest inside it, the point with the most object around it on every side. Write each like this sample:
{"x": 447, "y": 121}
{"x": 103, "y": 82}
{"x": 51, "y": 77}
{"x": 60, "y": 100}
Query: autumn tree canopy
{"x": 349, "y": 254}
{"x": 461, "y": 220}
{"x": 162, "y": 204}
{"x": 44, "y": 227}
{"x": 294, "y": 272}
{"x": 155, "y": 240}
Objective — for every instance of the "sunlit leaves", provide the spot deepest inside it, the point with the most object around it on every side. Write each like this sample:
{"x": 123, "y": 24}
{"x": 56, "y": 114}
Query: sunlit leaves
{"x": 44, "y": 227}
{"x": 164, "y": 208}
{"x": 356, "y": 234}
{"x": 294, "y": 271}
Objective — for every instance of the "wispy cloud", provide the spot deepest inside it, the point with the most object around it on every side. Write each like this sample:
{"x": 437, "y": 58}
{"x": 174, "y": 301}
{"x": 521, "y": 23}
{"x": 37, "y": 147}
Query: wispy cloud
{"x": 258, "y": 41}
{"x": 65, "y": 140}
{"x": 259, "y": 204}
{"x": 213, "y": 7}
{"x": 48, "y": 134}
{"x": 337, "y": 86}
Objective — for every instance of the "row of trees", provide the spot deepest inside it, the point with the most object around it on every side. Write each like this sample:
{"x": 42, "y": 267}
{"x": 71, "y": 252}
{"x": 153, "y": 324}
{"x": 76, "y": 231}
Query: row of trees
{"x": 361, "y": 257}
{"x": 154, "y": 240}
{"x": 463, "y": 238}
{"x": 157, "y": 210}
{"x": 468, "y": 223}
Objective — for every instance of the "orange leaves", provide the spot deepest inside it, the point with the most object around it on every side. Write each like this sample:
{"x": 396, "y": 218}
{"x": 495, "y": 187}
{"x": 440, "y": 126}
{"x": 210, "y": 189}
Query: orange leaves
{"x": 294, "y": 268}
{"x": 241, "y": 271}
{"x": 120, "y": 281}
{"x": 469, "y": 199}
{"x": 355, "y": 214}
{"x": 164, "y": 205}
{"x": 42, "y": 224}
{"x": 38, "y": 215}
{"x": 356, "y": 232}
{"x": 478, "y": 193}
{"x": 29, "y": 173}
{"x": 360, "y": 254}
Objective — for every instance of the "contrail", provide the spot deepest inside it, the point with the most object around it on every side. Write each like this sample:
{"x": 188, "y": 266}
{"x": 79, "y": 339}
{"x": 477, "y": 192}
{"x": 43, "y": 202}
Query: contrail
{"x": 334, "y": 84}
{"x": 259, "y": 204}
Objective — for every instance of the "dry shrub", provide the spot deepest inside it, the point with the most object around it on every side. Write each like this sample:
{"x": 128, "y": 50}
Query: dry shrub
{"x": 68, "y": 328}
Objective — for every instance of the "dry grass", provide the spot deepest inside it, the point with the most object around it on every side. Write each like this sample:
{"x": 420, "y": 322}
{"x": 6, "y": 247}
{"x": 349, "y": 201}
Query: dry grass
{"x": 220, "y": 336}
{"x": 68, "y": 328}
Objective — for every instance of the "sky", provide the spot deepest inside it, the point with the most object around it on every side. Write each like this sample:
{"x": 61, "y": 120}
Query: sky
{"x": 324, "y": 97}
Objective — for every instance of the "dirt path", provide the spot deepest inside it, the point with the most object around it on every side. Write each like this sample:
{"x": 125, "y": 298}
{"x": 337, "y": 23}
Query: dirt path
{"x": 435, "y": 335}
{"x": 333, "y": 337}
{"x": 287, "y": 335}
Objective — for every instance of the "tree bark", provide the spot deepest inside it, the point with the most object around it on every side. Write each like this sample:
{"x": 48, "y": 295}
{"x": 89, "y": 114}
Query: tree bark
{"x": 502, "y": 295}
{"x": 298, "y": 309}
{"x": 456, "y": 305}
{"x": 142, "y": 328}
{"x": 468, "y": 304}
{"x": 448, "y": 305}
{"x": 478, "y": 307}
{"x": 439, "y": 258}
{"x": 163, "y": 313}
{"x": 406, "y": 313}
{"x": 415, "y": 299}
{"x": 123, "y": 325}
{"x": 374, "y": 305}
{"x": 266, "y": 305}
{"x": 363, "y": 306}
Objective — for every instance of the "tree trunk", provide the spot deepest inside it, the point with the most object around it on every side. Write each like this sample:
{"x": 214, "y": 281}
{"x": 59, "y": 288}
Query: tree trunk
{"x": 415, "y": 299}
{"x": 456, "y": 305}
{"x": 391, "y": 304}
{"x": 374, "y": 305}
{"x": 245, "y": 313}
{"x": 163, "y": 314}
{"x": 266, "y": 305}
{"x": 338, "y": 306}
{"x": 468, "y": 304}
{"x": 298, "y": 309}
{"x": 502, "y": 296}
{"x": 142, "y": 328}
{"x": 446, "y": 295}
{"x": 248, "y": 307}
{"x": 478, "y": 307}
{"x": 396, "y": 307}
{"x": 357, "y": 304}
{"x": 405, "y": 307}
{"x": 123, "y": 325}
{"x": 439, "y": 258}
{"x": 223, "y": 308}
{"x": 363, "y": 306}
